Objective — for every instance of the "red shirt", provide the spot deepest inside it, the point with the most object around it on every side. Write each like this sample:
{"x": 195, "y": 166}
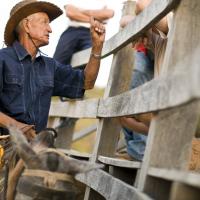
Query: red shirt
{"x": 141, "y": 48}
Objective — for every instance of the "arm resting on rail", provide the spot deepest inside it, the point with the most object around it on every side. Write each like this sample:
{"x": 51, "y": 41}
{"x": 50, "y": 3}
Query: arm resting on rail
{"x": 100, "y": 15}
{"x": 83, "y": 15}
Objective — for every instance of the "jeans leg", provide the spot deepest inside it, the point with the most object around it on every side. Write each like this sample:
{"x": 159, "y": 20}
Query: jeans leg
{"x": 142, "y": 73}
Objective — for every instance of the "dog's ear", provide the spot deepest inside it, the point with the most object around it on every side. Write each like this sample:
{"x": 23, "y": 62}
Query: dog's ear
{"x": 22, "y": 147}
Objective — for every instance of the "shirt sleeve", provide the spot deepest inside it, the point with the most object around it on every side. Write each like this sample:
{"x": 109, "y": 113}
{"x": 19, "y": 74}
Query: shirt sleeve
{"x": 68, "y": 82}
{"x": 158, "y": 39}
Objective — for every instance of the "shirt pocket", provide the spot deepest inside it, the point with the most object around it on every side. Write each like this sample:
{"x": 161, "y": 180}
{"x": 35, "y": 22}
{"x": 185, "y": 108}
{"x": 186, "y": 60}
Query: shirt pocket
{"x": 12, "y": 91}
{"x": 47, "y": 83}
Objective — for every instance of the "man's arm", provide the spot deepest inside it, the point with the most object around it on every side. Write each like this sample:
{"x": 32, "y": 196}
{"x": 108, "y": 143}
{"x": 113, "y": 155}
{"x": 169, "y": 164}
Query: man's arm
{"x": 83, "y": 15}
{"x": 100, "y": 15}
{"x": 75, "y": 14}
{"x": 133, "y": 125}
{"x": 97, "y": 31}
{"x": 4, "y": 120}
{"x": 161, "y": 25}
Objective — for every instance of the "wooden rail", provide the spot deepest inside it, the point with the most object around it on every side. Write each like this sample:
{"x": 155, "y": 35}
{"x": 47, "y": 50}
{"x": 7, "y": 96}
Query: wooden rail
{"x": 173, "y": 97}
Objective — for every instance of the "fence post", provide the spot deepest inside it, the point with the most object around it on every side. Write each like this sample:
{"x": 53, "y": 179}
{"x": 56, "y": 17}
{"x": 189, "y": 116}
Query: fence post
{"x": 171, "y": 132}
{"x": 107, "y": 135}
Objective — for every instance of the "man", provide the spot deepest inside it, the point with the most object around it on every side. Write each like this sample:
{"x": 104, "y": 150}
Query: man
{"x": 28, "y": 79}
{"x": 77, "y": 36}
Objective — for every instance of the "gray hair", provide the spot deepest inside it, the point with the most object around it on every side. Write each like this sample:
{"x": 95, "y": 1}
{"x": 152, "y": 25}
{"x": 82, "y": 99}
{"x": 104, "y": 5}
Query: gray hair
{"x": 18, "y": 27}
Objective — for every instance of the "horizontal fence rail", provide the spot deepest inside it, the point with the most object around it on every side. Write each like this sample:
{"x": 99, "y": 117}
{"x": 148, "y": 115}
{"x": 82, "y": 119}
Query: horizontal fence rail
{"x": 109, "y": 187}
{"x": 152, "y": 14}
{"x": 181, "y": 86}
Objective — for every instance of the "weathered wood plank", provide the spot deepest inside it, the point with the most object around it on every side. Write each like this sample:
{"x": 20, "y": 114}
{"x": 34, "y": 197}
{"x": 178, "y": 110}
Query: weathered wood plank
{"x": 75, "y": 153}
{"x": 108, "y": 130}
{"x": 143, "y": 22}
{"x": 65, "y": 134}
{"x": 120, "y": 163}
{"x": 183, "y": 192}
{"x": 75, "y": 109}
{"x": 181, "y": 86}
{"x": 191, "y": 179}
{"x": 109, "y": 187}
{"x": 171, "y": 132}
{"x": 85, "y": 132}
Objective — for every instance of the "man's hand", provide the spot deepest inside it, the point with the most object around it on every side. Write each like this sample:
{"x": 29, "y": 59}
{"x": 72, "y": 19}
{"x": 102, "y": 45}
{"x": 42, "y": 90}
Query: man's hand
{"x": 144, "y": 40}
{"x": 97, "y": 31}
{"x": 28, "y": 131}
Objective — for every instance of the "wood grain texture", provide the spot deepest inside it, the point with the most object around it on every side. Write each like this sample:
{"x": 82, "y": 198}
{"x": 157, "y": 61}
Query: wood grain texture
{"x": 65, "y": 134}
{"x": 75, "y": 109}
{"x": 108, "y": 131}
{"x": 174, "y": 88}
{"x": 184, "y": 177}
{"x": 143, "y": 22}
{"x": 109, "y": 187}
{"x": 120, "y": 163}
{"x": 171, "y": 131}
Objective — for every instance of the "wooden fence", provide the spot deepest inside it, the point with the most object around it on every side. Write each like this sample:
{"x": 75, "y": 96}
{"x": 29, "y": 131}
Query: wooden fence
{"x": 173, "y": 97}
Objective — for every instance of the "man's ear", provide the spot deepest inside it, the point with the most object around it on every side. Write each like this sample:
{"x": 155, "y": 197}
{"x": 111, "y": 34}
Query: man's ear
{"x": 25, "y": 25}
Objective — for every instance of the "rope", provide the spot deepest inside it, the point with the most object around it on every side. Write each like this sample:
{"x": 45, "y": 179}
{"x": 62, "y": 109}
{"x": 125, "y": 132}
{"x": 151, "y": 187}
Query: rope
{"x": 50, "y": 178}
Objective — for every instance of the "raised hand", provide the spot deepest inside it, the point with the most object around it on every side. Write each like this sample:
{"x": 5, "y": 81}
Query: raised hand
{"x": 97, "y": 31}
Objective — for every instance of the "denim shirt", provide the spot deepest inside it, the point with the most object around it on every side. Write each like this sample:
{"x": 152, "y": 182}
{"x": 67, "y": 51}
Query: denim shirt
{"x": 26, "y": 86}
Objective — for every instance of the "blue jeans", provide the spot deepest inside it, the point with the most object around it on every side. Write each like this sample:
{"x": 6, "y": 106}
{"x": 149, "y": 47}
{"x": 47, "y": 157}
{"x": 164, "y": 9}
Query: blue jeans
{"x": 142, "y": 73}
{"x": 72, "y": 40}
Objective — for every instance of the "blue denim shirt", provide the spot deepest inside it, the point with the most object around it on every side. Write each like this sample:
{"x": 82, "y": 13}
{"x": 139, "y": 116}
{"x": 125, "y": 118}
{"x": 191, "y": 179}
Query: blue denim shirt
{"x": 26, "y": 86}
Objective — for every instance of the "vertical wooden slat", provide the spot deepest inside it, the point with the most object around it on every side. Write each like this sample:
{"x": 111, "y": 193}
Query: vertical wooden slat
{"x": 172, "y": 131}
{"x": 65, "y": 134}
{"x": 119, "y": 81}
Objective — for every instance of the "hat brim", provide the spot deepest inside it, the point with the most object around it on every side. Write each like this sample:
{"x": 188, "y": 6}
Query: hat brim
{"x": 34, "y": 7}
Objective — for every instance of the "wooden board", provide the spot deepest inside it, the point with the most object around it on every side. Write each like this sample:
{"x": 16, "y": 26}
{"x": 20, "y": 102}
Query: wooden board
{"x": 143, "y": 22}
{"x": 171, "y": 131}
{"x": 181, "y": 86}
{"x": 184, "y": 177}
{"x": 109, "y": 187}
{"x": 120, "y": 163}
{"x": 75, "y": 109}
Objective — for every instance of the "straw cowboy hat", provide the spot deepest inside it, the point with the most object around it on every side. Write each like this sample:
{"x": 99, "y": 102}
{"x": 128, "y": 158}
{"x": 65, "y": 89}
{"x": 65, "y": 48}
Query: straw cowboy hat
{"x": 22, "y": 10}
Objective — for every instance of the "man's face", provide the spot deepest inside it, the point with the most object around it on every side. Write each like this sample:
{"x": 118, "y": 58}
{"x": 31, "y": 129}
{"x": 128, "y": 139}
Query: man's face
{"x": 39, "y": 29}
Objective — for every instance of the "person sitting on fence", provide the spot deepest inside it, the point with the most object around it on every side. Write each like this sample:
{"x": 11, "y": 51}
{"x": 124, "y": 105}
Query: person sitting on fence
{"x": 77, "y": 36}
{"x": 28, "y": 80}
{"x": 143, "y": 72}
{"x": 156, "y": 39}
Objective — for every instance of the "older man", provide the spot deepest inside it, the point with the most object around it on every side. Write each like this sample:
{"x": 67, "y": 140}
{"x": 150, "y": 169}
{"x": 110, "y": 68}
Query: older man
{"x": 28, "y": 79}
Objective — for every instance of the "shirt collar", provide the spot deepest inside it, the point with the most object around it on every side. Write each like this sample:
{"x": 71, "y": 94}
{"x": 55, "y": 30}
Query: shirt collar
{"x": 21, "y": 52}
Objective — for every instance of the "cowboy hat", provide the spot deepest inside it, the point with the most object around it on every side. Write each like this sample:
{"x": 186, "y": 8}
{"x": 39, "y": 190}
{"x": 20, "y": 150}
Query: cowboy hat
{"x": 22, "y": 10}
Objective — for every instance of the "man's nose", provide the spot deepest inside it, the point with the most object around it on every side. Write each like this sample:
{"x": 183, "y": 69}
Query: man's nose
{"x": 49, "y": 29}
